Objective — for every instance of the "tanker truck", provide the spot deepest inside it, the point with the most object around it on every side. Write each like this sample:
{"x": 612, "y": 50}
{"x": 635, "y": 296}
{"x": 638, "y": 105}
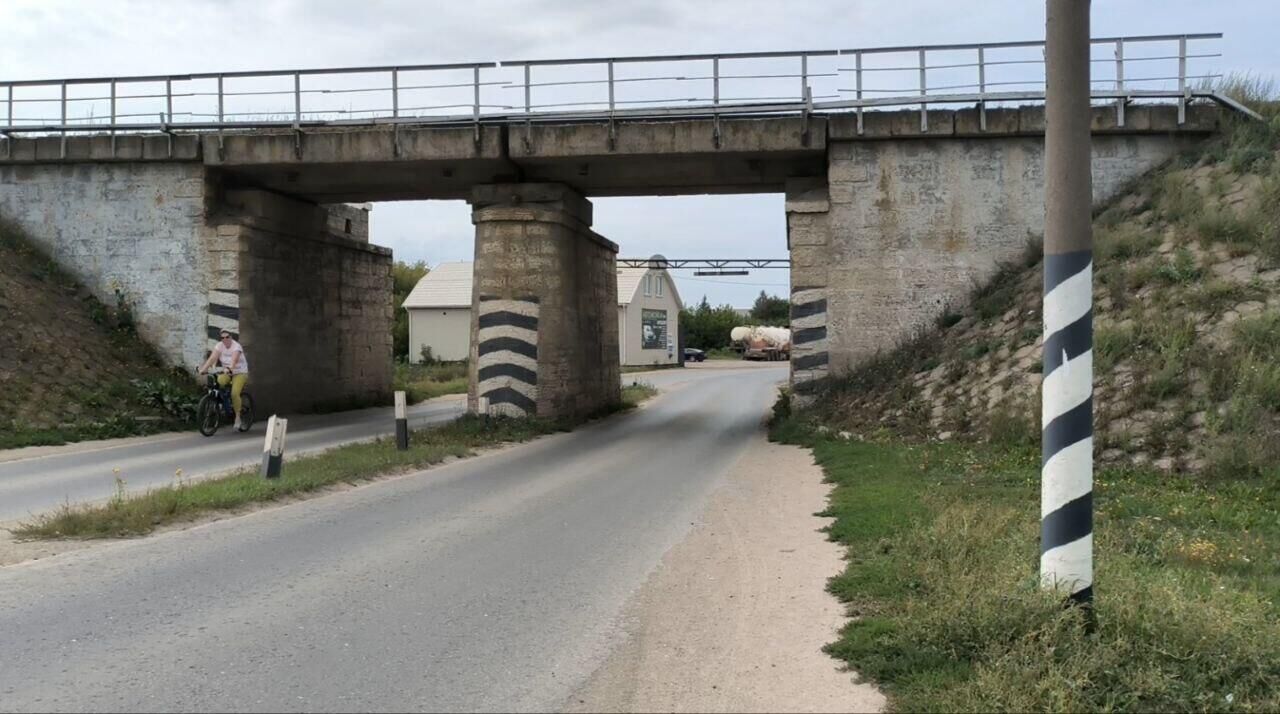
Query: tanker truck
{"x": 762, "y": 343}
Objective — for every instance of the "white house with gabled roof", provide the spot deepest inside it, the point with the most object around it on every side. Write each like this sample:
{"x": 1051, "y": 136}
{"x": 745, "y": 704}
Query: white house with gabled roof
{"x": 649, "y": 307}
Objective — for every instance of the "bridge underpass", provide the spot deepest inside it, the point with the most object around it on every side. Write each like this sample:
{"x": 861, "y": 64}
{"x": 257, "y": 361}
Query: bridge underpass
{"x": 891, "y": 216}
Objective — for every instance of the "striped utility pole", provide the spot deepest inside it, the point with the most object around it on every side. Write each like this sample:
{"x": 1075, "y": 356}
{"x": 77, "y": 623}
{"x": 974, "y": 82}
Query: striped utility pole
{"x": 1066, "y": 486}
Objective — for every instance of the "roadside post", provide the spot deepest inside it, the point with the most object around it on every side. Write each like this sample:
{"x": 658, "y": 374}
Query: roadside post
{"x": 402, "y": 423}
{"x": 273, "y": 449}
{"x": 1066, "y": 484}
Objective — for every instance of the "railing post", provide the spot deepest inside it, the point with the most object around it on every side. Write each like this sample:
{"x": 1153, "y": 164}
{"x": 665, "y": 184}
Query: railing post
{"x": 1120, "y": 101}
{"x": 63, "y": 103}
{"x": 168, "y": 114}
{"x": 1182, "y": 80}
{"x": 528, "y": 100}
{"x": 8, "y": 138}
{"x": 715, "y": 80}
{"x": 113, "y": 118}
{"x": 395, "y": 94}
{"x": 611, "y": 90}
{"x": 221, "y": 151}
{"x": 924, "y": 89}
{"x": 715, "y": 100}
{"x": 613, "y": 130}
{"x": 857, "y": 71}
{"x": 982, "y": 89}
{"x": 297, "y": 115}
{"x": 475, "y": 102}
{"x": 804, "y": 75}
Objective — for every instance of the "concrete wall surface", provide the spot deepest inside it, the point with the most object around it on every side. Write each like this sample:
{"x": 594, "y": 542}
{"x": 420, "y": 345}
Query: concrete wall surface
{"x": 544, "y": 320}
{"x": 312, "y": 305}
{"x": 904, "y": 228}
{"x": 130, "y": 227}
{"x": 313, "y": 308}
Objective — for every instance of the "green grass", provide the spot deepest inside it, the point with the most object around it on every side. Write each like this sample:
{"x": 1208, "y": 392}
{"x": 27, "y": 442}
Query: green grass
{"x": 942, "y": 584}
{"x": 637, "y": 392}
{"x": 138, "y": 514}
{"x": 15, "y": 436}
{"x": 427, "y": 381}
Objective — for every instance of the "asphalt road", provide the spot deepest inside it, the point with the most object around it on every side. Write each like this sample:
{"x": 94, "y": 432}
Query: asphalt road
{"x": 84, "y": 472}
{"x": 80, "y": 473}
{"x": 492, "y": 583}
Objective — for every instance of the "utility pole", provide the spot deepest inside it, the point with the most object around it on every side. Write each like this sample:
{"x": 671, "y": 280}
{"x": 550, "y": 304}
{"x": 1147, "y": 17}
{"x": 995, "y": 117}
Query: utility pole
{"x": 1066, "y": 485}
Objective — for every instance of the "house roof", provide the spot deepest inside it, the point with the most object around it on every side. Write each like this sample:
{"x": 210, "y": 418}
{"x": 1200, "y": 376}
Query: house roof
{"x": 449, "y": 285}
{"x": 629, "y": 283}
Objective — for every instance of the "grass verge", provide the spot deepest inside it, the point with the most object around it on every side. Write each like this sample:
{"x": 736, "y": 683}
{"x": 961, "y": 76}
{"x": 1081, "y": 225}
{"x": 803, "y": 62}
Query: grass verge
{"x": 637, "y": 392}
{"x": 427, "y": 381}
{"x": 135, "y": 515}
{"x": 942, "y": 584}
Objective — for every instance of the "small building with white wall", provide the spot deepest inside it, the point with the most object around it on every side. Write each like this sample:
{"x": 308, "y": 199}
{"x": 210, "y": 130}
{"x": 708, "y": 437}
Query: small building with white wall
{"x": 648, "y": 317}
{"x": 440, "y": 313}
{"x": 649, "y": 307}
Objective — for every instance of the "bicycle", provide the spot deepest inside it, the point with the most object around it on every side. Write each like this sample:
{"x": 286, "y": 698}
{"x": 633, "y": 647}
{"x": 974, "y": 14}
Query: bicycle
{"x": 215, "y": 407}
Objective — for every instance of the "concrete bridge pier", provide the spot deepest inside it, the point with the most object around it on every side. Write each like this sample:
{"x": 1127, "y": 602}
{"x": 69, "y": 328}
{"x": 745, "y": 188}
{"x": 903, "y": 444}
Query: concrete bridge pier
{"x": 544, "y": 328}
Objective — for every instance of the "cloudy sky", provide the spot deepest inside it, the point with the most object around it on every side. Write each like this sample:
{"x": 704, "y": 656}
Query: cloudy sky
{"x": 71, "y": 38}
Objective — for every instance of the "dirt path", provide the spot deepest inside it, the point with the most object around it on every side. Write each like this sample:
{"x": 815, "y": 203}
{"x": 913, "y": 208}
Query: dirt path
{"x": 735, "y": 617}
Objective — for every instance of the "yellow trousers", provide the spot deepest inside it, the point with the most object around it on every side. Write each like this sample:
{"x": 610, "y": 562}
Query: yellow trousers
{"x": 237, "y": 385}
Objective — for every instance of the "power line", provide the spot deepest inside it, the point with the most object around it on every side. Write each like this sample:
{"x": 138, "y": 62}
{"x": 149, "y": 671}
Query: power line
{"x": 737, "y": 282}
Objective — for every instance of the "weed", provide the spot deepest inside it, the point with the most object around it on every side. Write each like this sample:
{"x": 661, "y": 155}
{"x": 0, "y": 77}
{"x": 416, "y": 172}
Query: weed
{"x": 942, "y": 545}
{"x": 1012, "y": 426}
{"x": 1176, "y": 198}
{"x": 1181, "y": 270}
{"x": 637, "y": 392}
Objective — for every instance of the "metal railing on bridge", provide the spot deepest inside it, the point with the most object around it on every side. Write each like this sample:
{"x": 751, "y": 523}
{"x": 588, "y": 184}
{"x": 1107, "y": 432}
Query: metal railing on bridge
{"x": 1175, "y": 68}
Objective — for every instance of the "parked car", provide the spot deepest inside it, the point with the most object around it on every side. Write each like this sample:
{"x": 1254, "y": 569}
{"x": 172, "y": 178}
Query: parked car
{"x": 692, "y": 354}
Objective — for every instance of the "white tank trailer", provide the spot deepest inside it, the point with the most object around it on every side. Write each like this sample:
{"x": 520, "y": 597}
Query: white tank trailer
{"x": 762, "y": 343}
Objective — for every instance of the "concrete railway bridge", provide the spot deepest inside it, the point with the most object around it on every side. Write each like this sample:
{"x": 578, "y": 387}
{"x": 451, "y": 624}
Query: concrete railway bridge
{"x": 221, "y": 200}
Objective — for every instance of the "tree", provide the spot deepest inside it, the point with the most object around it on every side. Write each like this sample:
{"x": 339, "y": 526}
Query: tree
{"x": 771, "y": 310}
{"x": 708, "y": 328}
{"x": 403, "y": 277}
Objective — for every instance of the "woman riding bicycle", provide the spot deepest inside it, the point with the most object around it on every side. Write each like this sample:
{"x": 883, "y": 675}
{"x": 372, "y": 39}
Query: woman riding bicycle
{"x": 230, "y": 355}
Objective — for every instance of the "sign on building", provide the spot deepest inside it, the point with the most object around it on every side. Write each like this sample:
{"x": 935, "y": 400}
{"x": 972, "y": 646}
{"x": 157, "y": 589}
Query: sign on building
{"x": 653, "y": 329}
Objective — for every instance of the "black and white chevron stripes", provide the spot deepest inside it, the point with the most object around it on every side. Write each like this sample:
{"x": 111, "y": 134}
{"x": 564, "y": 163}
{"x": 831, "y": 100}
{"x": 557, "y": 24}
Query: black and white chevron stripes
{"x": 1066, "y": 497}
{"x": 224, "y": 314}
{"x": 508, "y": 355}
{"x": 808, "y": 338}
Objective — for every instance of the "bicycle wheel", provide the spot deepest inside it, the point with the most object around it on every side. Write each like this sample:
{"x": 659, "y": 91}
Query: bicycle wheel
{"x": 207, "y": 416}
{"x": 246, "y": 411}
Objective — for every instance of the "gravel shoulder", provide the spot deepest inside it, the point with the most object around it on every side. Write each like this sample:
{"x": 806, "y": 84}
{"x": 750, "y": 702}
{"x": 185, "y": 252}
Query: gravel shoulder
{"x": 735, "y": 616}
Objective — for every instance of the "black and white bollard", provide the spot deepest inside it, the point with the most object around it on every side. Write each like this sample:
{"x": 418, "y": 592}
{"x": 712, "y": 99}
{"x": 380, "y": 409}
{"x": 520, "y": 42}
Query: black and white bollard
{"x": 402, "y": 423}
{"x": 273, "y": 449}
{"x": 1066, "y": 485}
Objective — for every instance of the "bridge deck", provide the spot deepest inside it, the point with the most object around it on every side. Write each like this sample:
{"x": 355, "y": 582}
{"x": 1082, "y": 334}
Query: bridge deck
{"x": 599, "y": 158}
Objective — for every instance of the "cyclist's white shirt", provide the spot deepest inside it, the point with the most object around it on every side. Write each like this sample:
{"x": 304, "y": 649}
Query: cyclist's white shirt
{"x": 225, "y": 356}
